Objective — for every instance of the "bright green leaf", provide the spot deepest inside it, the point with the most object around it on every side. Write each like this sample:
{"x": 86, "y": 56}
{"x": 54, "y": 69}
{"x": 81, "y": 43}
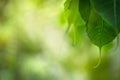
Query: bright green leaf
{"x": 74, "y": 19}
{"x": 71, "y": 10}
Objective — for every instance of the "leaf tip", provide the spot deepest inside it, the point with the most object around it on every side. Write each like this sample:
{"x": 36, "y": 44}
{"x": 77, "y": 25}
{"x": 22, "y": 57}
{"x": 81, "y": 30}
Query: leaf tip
{"x": 98, "y": 63}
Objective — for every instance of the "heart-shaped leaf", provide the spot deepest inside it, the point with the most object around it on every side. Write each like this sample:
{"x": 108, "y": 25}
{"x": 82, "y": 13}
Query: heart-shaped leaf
{"x": 99, "y": 32}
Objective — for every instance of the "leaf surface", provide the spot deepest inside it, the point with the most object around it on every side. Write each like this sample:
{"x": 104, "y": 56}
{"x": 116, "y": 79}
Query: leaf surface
{"x": 99, "y": 32}
{"x": 74, "y": 20}
{"x": 85, "y": 9}
{"x": 109, "y": 10}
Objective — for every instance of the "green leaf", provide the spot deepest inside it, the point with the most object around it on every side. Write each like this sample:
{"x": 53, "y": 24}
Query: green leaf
{"x": 74, "y": 19}
{"x": 109, "y": 10}
{"x": 71, "y": 10}
{"x": 84, "y": 9}
{"x": 99, "y": 32}
{"x": 67, "y": 4}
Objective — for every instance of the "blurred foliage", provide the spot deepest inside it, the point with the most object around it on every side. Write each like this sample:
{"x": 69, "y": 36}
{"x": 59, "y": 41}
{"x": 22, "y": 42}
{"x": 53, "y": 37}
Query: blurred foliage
{"x": 34, "y": 45}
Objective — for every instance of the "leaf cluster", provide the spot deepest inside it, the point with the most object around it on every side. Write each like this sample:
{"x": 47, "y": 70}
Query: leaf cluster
{"x": 101, "y": 18}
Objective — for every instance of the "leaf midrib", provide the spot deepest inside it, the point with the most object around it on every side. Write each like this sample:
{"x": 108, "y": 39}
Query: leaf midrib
{"x": 115, "y": 12}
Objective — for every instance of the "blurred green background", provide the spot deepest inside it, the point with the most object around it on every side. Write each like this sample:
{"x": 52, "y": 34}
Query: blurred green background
{"x": 34, "y": 46}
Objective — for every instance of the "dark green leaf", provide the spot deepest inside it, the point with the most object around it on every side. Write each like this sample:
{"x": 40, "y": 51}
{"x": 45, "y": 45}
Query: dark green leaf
{"x": 84, "y": 9}
{"x": 109, "y": 10}
{"x": 99, "y": 32}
